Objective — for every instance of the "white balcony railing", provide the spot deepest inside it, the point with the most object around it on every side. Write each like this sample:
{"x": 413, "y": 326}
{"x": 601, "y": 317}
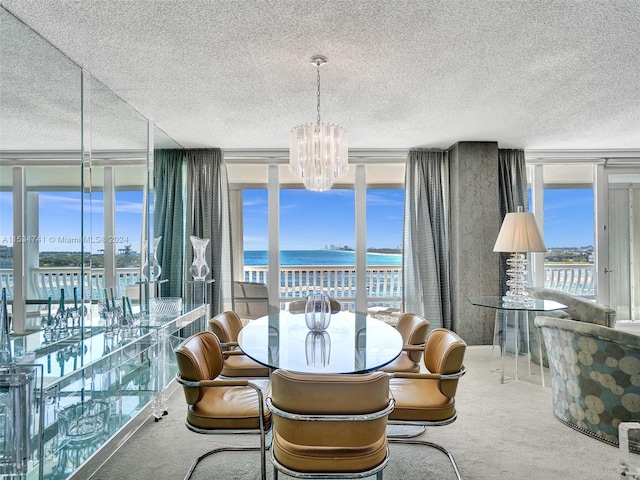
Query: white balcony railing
{"x": 48, "y": 282}
{"x": 384, "y": 283}
{"x": 576, "y": 279}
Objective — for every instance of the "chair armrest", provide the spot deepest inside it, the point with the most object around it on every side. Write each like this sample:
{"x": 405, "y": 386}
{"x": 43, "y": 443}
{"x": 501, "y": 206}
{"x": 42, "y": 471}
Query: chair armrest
{"x": 212, "y": 383}
{"x": 413, "y": 348}
{"x": 430, "y": 376}
{"x": 232, "y": 352}
{"x": 422, "y": 376}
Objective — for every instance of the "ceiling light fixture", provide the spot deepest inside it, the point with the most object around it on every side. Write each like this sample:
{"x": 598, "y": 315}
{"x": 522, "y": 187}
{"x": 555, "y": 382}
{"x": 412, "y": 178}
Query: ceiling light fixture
{"x": 318, "y": 153}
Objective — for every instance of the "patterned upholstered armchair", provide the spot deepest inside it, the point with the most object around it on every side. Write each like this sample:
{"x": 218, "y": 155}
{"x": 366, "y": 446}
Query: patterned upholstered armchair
{"x": 578, "y": 308}
{"x": 595, "y": 375}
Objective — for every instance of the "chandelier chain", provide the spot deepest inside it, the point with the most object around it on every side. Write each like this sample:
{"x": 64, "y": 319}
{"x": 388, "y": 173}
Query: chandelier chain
{"x": 318, "y": 70}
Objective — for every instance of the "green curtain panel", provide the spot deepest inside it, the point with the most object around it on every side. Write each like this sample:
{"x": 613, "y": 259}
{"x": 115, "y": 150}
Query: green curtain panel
{"x": 512, "y": 186}
{"x": 168, "y": 218}
{"x": 425, "y": 253}
{"x": 209, "y": 216}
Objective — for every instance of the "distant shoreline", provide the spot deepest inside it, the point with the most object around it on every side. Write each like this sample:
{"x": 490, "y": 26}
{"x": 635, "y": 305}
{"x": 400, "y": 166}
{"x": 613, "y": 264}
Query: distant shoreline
{"x": 321, "y": 257}
{"x": 374, "y": 251}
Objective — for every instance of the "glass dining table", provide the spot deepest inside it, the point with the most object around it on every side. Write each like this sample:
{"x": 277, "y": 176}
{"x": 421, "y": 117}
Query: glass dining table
{"x": 353, "y": 343}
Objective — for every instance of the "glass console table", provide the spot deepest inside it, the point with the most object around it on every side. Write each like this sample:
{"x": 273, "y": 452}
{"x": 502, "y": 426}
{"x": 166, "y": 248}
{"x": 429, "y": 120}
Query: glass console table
{"x": 95, "y": 382}
{"x": 520, "y": 315}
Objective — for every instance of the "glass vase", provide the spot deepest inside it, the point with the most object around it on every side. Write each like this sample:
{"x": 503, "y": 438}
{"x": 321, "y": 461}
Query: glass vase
{"x": 152, "y": 269}
{"x": 199, "y": 268}
{"x": 318, "y": 312}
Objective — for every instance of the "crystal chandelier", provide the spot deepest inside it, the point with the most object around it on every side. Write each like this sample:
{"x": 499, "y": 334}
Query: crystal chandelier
{"x": 318, "y": 153}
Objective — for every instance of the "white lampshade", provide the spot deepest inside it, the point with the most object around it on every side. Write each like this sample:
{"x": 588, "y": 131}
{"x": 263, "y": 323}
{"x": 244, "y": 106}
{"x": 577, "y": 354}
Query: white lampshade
{"x": 519, "y": 233}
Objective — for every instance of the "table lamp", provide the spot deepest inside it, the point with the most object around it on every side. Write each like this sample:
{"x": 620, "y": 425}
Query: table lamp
{"x": 518, "y": 235}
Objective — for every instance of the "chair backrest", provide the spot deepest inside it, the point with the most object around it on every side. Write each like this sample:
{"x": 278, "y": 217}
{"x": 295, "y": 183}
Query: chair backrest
{"x": 343, "y": 444}
{"x": 226, "y": 326}
{"x": 251, "y": 300}
{"x": 413, "y": 329}
{"x": 444, "y": 354}
{"x": 299, "y": 306}
{"x": 199, "y": 358}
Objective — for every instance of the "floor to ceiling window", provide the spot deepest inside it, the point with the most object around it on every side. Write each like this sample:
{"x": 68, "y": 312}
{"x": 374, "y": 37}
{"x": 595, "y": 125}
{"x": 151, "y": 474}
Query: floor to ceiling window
{"x": 126, "y": 239}
{"x": 6, "y": 232}
{"x": 563, "y": 201}
{"x": 255, "y": 239}
{"x": 319, "y": 234}
{"x": 317, "y": 243}
{"x": 569, "y": 229}
{"x": 384, "y": 246}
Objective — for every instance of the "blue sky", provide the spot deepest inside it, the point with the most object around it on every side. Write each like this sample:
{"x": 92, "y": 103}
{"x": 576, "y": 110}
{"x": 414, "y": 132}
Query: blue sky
{"x": 309, "y": 220}
{"x": 59, "y": 225}
{"x": 314, "y": 220}
{"x": 568, "y": 217}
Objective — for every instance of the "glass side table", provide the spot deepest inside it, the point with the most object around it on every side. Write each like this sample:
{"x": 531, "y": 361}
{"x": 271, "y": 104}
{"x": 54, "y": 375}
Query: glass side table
{"x": 520, "y": 315}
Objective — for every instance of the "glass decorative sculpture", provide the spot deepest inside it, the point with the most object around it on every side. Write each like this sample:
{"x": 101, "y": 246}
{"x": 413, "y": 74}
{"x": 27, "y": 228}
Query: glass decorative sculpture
{"x": 152, "y": 269}
{"x": 318, "y": 312}
{"x": 199, "y": 268}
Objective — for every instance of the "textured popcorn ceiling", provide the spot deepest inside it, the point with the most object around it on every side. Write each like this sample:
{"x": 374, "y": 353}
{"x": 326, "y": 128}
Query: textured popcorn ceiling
{"x": 235, "y": 74}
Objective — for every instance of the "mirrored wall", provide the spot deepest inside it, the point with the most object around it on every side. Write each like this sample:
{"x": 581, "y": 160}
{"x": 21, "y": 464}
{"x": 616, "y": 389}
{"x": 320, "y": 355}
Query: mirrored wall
{"x": 76, "y": 203}
{"x": 76, "y": 186}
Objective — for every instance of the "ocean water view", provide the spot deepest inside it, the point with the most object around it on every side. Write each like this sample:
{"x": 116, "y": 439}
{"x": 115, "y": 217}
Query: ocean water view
{"x": 319, "y": 257}
{"x": 330, "y": 271}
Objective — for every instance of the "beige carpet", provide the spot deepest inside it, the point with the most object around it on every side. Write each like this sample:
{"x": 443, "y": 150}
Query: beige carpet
{"x": 502, "y": 432}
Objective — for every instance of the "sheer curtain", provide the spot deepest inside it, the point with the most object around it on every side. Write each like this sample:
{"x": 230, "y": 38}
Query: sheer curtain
{"x": 209, "y": 216}
{"x": 168, "y": 218}
{"x": 512, "y": 186}
{"x": 425, "y": 253}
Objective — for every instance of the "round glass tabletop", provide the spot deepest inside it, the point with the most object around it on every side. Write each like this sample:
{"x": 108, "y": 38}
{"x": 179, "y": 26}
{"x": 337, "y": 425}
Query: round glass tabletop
{"x": 352, "y": 343}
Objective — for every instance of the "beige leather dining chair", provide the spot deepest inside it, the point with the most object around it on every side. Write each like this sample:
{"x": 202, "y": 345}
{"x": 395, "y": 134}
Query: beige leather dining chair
{"x": 226, "y": 326}
{"x": 413, "y": 329}
{"x": 329, "y": 426}
{"x": 216, "y": 405}
{"x": 251, "y": 300}
{"x": 299, "y": 306}
{"x": 427, "y": 398}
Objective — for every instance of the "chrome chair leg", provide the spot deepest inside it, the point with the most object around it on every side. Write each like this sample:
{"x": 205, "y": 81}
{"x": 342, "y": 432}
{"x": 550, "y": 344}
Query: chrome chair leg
{"x": 433, "y": 445}
{"x": 330, "y": 475}
{"x": 218, "y": 450}
{"x": 262, "y": 449}
{"x": 419, "y": 432}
